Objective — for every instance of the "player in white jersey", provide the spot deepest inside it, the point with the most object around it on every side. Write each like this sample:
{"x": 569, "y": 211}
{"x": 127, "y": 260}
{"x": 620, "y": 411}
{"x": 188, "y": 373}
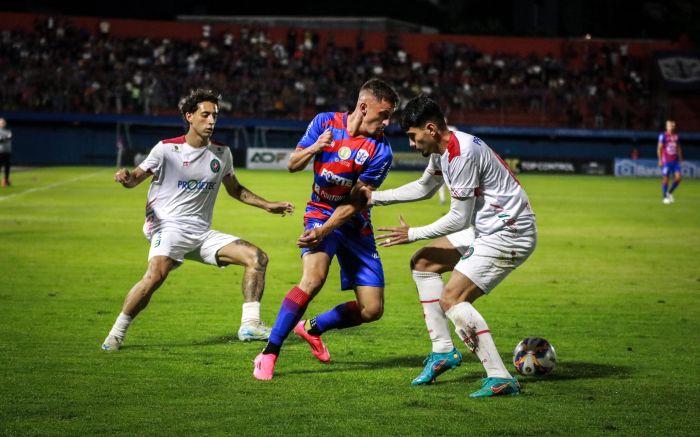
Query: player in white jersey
{"x": 187, "y": 172}
{"x": 489, "y": 230}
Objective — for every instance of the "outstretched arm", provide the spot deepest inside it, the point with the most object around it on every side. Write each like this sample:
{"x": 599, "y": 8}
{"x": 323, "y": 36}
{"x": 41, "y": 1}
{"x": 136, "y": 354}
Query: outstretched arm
{"x": 241, "y": 193}
{"x": 459, "y": 217}
{"x": 130, "y": 180}
{"x": 422, "y": 188}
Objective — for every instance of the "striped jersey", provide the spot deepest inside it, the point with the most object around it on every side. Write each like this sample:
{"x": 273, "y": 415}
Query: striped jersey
{"x": 347, "y": 160}
{"x": 669, "y": 147}
{"x": 185, "y": 184}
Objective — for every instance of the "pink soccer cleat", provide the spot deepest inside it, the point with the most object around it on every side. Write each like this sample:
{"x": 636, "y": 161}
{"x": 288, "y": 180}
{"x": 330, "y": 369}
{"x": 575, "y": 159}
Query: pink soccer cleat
{"x": 318, "y": 349}
{"x": 264, "y": 366}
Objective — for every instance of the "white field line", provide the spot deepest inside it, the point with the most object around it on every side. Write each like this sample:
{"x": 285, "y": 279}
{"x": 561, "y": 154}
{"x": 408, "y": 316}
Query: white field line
{"x": 51, "y": 186}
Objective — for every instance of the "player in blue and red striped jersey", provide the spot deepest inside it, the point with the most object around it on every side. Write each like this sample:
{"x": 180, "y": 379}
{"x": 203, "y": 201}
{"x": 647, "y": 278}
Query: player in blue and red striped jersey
{"x": 670, "y": 158}
{"x": 349, "y": 151}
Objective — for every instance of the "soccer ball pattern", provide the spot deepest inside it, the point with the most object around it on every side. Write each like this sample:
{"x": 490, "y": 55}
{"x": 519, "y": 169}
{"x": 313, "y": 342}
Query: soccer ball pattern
{"x": 534, "y": 356}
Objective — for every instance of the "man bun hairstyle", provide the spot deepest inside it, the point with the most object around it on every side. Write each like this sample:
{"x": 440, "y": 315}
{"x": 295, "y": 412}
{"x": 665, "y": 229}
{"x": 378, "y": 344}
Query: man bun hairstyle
{"x": 421, "y": 110}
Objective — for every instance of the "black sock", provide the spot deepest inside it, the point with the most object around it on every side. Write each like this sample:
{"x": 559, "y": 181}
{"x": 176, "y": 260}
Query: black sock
{"x": 272, "y": 348}
{"x": 314, "y": 330}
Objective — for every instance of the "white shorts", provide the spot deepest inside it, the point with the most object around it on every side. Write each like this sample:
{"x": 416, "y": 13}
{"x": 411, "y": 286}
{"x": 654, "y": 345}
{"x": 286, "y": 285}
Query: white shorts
{"x": 179, "y": 245}
{"x": 487, "y": 260}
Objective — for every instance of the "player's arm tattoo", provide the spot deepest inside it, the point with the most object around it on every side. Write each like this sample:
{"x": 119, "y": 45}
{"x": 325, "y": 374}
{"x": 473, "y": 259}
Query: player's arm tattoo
{"x": 238, "y": 191}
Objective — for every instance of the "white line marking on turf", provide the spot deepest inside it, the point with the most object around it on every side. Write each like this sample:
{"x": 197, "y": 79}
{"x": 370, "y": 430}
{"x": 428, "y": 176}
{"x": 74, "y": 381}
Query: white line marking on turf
{"x": 51, "y": 186}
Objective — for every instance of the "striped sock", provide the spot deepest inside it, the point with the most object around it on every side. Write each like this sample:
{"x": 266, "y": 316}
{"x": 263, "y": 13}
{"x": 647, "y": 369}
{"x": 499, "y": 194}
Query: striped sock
{"x": 345, "y": 315}
{"x": 292, "y": 309}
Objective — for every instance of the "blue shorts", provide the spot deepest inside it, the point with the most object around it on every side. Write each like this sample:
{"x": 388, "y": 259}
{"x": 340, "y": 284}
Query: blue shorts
{"x": 357, "y": 255}
{"x": 671, "y": 168}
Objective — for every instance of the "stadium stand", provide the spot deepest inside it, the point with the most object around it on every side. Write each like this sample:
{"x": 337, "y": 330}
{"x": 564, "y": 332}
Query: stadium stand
{"x": 134, "y": 67}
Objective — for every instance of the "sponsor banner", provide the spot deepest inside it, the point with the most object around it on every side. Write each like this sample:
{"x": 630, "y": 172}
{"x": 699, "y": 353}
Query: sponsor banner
{"x": 258, "y": 158}
{"x": 679, "y": 70}
{"x": 650, "y": 168}
{"x": 530, "y": 166}
{"x": 589, "y": 167}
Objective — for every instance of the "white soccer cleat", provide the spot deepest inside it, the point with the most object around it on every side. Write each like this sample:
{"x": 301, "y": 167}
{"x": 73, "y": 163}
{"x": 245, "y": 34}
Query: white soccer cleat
{"x": 667, "y": 201}
{"x": 112, "y": 343}
{"x": 670, "y": 198}
{"x": 254, "y": 331}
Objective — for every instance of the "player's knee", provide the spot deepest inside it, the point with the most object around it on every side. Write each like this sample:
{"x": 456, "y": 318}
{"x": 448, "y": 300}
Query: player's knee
{"x": 372, "y": 313}
{"x": 260, "y": 259}
{"x": 311, "y": 284}
{"x": 446, "y": 302}
{"x": 154, "y": 278}
{"x": 419, "y": 262}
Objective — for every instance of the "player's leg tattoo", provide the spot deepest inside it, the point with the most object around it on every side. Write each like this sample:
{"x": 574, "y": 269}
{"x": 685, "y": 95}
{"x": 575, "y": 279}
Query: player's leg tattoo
{"x": 255, "y": 265}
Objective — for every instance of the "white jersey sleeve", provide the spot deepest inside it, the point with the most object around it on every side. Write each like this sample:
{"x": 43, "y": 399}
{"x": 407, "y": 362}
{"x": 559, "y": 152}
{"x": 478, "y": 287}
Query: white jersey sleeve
{"x": 228, "y": 162}
{"x": 457, "y": 219}
{"x": 154, "y": 160}
{"x": 423, "y": 188}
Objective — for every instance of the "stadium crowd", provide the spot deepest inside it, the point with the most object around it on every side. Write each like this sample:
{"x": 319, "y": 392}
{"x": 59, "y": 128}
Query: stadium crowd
{"x": 59, "y": 67}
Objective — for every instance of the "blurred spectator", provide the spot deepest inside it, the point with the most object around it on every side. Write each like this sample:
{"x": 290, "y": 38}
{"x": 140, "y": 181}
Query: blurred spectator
{"x": 5, "y": 151}
{"x": 589, "y": 86}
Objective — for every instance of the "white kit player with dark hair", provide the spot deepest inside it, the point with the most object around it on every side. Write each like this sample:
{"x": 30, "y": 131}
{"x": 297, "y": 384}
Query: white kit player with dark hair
{"x": 489, "y": 231}
{"x": 187, "y": 173}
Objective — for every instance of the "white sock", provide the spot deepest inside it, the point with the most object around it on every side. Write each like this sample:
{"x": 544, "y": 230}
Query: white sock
{"x": 251, "y": 313}
{"x": 468, "y": 322}
{"x": 430, "y": 287}
{"x": 120, "y": 326}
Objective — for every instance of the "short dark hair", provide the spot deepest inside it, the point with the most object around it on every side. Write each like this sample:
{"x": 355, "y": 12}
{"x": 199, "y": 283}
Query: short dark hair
{"x": 189, "y": 102}
{"x": 421, "y": 110}
{"x": 381, "y": 90}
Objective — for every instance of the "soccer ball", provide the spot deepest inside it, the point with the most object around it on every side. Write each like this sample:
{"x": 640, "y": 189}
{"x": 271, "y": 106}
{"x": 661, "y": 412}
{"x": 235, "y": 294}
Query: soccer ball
{"x": 534, "y": 356}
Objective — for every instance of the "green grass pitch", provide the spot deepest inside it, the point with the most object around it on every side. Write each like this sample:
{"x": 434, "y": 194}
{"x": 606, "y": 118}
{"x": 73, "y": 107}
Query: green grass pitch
{"x": 614, "y": 285}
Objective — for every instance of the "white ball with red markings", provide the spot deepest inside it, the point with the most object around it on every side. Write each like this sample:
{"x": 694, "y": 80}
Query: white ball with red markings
{"x": 534, "y": 356}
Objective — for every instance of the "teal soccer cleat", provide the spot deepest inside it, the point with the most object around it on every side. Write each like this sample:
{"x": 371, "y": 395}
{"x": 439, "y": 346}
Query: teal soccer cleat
{"x": 436, "y": 364}
{"x": 497, "y": 387}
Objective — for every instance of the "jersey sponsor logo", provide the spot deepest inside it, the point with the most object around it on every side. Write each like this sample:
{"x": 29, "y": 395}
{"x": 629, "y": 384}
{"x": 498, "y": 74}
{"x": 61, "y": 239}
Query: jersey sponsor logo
{"x": 344, "y": 152}
{"x": 326, "y": 196}
{"x": 361, "y": 156}
{"x": 195, "y": 185}
{"x": 215, "y": 165}
{"x": 335, "y": 179}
